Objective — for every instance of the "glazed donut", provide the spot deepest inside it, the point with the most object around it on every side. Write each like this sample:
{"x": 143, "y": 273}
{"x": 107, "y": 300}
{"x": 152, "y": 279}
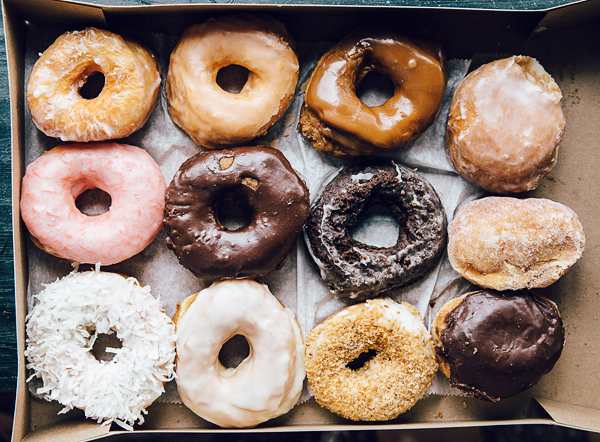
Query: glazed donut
{"x": 505, "y": 243}
{"x": 260, "y": 176}
{"x": 267, "y": 383}
{"x": 212, "y": 116}
{"x": 62, "y": 328}
{"x": 128, "y": 174}
{"x": 391, "y": 381}
{"x": 358, "y": 270}
{"x": 131, "y": 80}
{"x": 505, "y": 124}
{"x": 494, "y": 345}
{"x": 337, "y": 122}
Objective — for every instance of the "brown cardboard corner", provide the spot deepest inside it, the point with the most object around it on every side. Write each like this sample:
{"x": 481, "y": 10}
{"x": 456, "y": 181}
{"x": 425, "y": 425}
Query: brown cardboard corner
{"x": 569, "y": 415}
{"x": 70, "y": 431}
{"x": 581, "y": 12}
{"x": 60, "y": 12}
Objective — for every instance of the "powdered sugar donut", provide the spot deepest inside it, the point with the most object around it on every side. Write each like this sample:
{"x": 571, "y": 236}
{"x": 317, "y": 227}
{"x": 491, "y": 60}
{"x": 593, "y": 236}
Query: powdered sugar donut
{"x": 128, "y": 174}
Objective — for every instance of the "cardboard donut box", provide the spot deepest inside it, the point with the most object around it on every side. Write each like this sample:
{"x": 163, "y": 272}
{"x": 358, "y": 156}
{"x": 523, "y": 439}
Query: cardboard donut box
{"x": 565, "y": 41}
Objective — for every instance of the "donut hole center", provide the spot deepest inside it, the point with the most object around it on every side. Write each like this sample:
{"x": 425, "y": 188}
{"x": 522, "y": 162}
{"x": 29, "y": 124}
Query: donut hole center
{"x": 375, "y": 88}
{"x": 232, "y": 78}
{"x": 93, "y": 202}
{"x": 234, "y": 351}
{"x": 360, "y": 361}
{"x": 375, "y": 226}
{"x": 104, "y": 346}
{"x": 92, "y": 86}
{"x": 232, "y": 210}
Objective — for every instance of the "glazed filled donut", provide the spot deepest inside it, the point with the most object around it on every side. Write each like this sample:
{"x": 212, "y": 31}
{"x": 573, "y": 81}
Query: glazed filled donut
{"x": 494, "y": 345}
{"x": 337, "y": 122}
{"x": 505, "y": 124}
{"x": 400, "y": 369}
{"x": 261, "y": 177}
{"x": 267, "y": 383}
{"x": 212, "y": 116}
{"x": 62, "y": 327}
{"x": 131, "y": 80}
{"x": 128, "y": 174}
{"x": 505, "y": 243}
{"x": 358, "y": 270}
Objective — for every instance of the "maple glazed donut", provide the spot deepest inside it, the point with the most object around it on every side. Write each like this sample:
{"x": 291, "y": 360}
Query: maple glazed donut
{"x": 277, "y": 202}
{"x": 391, "y": 381}
{"x": 505, "y": 124}
{"x": 128, "y": 174}
{"x": 359, "y": 270}
{"x": 212, "y": 116}
{"x": 131, "y": 81}
{"x": 337, "y": 122}
{"x": 267, "y": 383}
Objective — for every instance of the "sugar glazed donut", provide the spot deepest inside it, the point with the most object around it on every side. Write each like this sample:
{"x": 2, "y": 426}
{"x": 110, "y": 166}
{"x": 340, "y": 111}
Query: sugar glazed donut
{"x": 337, "y": 122}
{"x": 128, "y": 174}
{"x": 505, "y": 124}
{"x": 263, "y": 386}
{"x": 212, "y": 116}
{"x": 131, "y": 80}
{"x": 494, "y": 345}
{"x": 62, "y": 328}
{"x": 277, "y": 199}
{"x": 391, "y": 381}
{"x": 507, "y": 243}
{"x": 359, "y": 270}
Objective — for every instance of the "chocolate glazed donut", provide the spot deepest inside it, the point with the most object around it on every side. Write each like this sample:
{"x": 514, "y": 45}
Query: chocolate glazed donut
{"x": 276, "y": 197}
{"x": 359, "y": 270}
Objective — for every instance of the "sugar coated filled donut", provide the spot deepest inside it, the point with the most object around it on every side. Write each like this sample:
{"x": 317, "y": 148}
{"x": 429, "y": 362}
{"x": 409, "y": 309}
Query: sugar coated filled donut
{"x": 131, "y": 80}
{"x": 62, "y": 327}
{"x": 128, "y": 174}
{"x": 212, "y": 116}
{"x": 359, "y": 270}
{"x": 260, "y": 177}
{"x": 337, "y": 122}
{"x": 400, "y": 360}
{"x": 505, "y": 124}
{"x": 267, "y": 383}
{"x": 494, "y": 345}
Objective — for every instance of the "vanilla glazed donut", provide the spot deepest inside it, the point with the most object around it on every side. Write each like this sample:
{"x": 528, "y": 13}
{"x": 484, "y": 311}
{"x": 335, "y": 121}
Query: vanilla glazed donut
{"x": 358, "y": 270}
{"x": 128, "y": 174}
{"x": 213, "y": 117}
{"x": 263, "y": 386}
{"x": 131, "y": 81}
{"x": 338, "y": 123}
{"x": 61, "y": 330}
{"x": 391, "y": 380}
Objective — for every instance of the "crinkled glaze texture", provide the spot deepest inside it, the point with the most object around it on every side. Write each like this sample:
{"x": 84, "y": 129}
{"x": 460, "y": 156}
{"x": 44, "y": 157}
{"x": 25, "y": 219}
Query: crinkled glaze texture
{"x": 505, "y": 124}
{"x": 358, "y": 270}
{"x": 212, "y": 116}
{"x": 62, "y": 328}
{"x": 128, "y": 174}
{"x": 132, "y": 80}
{"x": 264, "y": 385}
{"x": 494, "y": 345}
{"x": 388, "y": 384}
{"x": 507, "y": 243}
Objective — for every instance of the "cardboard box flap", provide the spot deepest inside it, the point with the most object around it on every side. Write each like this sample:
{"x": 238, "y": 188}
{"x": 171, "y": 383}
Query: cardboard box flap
{"x": 583, "y": 418}
{"x": 70, "y": 430}
{"x": 62, "y": 13}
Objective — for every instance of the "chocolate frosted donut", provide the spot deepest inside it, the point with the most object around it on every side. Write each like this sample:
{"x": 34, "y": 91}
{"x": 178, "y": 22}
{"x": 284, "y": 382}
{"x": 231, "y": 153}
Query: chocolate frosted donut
{"x": 359, "y": 270}
{"x": 494, "y": 345}
{"x": 260, "y": 177}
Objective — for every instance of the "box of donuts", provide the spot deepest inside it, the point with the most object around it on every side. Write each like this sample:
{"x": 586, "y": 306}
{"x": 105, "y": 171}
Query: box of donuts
{"x": 260, "y": 218}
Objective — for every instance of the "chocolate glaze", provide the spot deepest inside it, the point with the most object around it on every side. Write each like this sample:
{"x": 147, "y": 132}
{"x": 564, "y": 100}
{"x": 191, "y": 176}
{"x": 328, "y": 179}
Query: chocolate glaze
{"x": 276, "y": 196}
{"x": 498, "y": 344}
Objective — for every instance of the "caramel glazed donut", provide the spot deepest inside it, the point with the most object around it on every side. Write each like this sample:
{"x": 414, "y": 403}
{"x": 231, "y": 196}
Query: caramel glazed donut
{"x": 359, "y": 270}
{"x": 338, "y": 123}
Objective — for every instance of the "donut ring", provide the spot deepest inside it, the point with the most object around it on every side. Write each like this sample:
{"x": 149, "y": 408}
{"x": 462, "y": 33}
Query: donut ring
{"x": 267, "y": 383}
{"x": 338, "y": 123}
{"x": 212, "y": 116}
{"x": 389, "y": 383}
{"x": 359, "y": 270}
{"x": 62, "y": 328}
{"x": 131, "y": 81}
{"x": 128, "y": 174}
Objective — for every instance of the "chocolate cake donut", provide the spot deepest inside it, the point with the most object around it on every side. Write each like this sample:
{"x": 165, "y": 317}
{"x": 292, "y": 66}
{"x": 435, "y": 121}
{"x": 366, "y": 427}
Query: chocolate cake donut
{"x": 262, "y": 181}
{"x": 360, "y": 270}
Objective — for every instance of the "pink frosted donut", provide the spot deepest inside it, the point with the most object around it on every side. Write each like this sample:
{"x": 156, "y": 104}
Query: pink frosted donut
{"x": 128, "y": 174}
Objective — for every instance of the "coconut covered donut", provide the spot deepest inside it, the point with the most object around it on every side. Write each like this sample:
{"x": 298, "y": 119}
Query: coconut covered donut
{"x": 131, "y": 81}
{"x": 62, "y": 328}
